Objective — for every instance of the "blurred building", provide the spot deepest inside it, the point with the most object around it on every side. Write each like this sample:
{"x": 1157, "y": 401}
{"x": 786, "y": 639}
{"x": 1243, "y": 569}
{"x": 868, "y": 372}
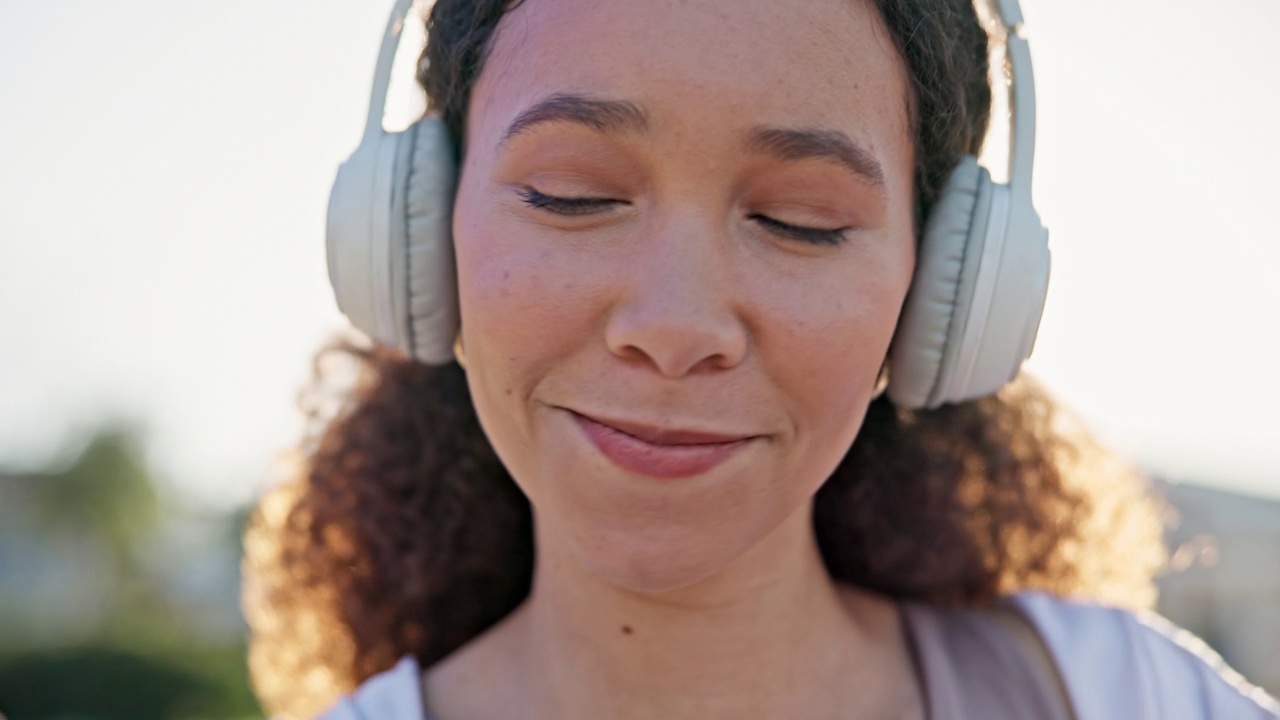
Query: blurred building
{"x": 115, "y": 602}
{"x": 89, "y": 546}
{"x": 1224, "y": 579}
{"x": 52, "y": 589}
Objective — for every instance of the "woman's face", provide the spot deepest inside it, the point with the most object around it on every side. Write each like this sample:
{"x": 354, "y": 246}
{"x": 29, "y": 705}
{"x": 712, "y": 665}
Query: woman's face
{"x": 684, "y": 234}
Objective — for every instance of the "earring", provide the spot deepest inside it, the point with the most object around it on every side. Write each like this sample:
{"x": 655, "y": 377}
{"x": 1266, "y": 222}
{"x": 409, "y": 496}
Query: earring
{"x": 458, "y": 353}
{"x": 882, "y": 382}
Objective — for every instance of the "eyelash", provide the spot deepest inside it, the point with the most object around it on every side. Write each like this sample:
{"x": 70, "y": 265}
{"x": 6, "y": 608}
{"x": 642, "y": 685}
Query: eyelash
{"x": 586, "y": 206}
{"x": 564, "y": 206}
{"x": 816, "y": 236}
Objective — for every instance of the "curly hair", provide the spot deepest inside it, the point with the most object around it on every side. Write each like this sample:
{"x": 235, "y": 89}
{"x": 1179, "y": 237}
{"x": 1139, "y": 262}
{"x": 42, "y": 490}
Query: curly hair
{"x": 401, "y": 531}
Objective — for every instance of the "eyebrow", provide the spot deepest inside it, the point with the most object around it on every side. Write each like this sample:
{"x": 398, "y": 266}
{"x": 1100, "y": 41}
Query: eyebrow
{"x": 601, "y": 115}
{"x": 621, "y": 116}
{"x": 791, "y": 144}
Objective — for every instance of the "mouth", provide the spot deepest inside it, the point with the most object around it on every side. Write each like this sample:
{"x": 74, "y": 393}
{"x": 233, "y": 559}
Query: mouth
{"x": 660, "y": 452}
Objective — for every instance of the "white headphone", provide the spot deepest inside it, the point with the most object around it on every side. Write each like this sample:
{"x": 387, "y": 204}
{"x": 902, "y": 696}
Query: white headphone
{"x": 970, "y": 318}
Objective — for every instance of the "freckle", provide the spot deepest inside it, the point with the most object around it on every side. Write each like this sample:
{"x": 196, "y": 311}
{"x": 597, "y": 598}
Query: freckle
{"x": 626, "y": 630}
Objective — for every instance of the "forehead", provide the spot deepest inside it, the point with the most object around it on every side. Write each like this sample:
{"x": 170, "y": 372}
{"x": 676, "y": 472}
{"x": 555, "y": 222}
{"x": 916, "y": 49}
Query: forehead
{"x": 812, "y": 63}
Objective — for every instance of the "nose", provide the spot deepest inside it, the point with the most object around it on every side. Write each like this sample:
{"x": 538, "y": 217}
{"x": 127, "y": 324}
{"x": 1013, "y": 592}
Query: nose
{"x": 680, "y": 309}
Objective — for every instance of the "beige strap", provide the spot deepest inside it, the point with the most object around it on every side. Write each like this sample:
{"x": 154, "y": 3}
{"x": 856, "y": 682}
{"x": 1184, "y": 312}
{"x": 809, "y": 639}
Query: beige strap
{"x": 1036, "y": 654}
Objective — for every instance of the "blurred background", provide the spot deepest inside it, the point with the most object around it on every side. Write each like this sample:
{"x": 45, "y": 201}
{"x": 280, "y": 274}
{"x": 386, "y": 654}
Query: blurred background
{"x": 164, "y": 171}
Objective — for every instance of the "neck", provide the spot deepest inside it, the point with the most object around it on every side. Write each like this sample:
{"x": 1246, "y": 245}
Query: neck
{"x": 769, "y": 636}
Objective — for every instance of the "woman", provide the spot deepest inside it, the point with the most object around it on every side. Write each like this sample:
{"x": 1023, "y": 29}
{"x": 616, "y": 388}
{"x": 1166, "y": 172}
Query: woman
{"x": 661, "y": 480}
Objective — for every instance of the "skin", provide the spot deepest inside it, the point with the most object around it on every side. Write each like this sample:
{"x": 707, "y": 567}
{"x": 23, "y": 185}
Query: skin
{"x": 668, "y": 291}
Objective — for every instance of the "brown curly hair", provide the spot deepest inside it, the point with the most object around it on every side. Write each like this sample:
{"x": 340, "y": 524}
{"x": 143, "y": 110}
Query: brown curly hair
{"x": 401, "y": 532}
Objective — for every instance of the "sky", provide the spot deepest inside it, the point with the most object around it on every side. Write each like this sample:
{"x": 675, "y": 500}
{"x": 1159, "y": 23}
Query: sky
{"x": 165, "y": 167}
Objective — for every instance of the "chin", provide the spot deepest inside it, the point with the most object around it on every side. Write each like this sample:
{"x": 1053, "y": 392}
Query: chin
{"x": 653, "y": 575}
{"x": 662, "y": 559}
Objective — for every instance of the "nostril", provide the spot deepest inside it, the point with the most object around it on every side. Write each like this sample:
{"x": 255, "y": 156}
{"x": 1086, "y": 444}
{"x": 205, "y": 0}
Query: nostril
{"x": 677, "y": 343}
{"x": 680, "y": 308}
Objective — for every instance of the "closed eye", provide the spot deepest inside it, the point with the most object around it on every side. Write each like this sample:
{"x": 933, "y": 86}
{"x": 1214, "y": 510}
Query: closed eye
{"x": 565, "y": 206}
{"x": 591, "y": 205}
{"x": 816, "y": 236}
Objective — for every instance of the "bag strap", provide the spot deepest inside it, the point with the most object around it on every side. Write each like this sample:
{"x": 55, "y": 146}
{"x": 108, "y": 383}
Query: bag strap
{"x": 1037, "y": 655}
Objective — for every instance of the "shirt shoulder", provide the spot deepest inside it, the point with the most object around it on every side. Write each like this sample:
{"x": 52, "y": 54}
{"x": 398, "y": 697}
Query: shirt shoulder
{"x": 1116, "y": 663}
{"x": 392, "y": 695}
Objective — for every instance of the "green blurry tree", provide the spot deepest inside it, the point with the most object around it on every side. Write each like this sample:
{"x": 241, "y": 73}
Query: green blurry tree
{"x": 143, "y": 660}
{"x": 106, "y": 494}
{"x": 106, "y": 491}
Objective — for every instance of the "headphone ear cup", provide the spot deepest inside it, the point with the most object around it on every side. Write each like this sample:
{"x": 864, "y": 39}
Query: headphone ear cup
{"x": 432, "y": 293}
{"x": 971, "y": 317}
{"x": 364, "y": 205}
{"x": 389, "y": 242}
{"x": 936, "y": 307}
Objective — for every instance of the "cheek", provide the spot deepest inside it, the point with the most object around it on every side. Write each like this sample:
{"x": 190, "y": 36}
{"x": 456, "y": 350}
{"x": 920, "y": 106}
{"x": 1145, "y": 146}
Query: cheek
{"x": 830, "y": 339}
{"x": 529, "y": 309}
{"x": 520, "y": 300}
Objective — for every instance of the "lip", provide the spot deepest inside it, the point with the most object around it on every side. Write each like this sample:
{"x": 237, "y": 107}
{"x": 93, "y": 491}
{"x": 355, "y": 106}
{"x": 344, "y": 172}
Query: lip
{"x": 659, "y": 452}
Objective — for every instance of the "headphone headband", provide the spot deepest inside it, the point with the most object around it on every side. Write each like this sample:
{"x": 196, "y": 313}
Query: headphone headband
{"x": 1022, "y": 89}
{"x": 1022, "y": 103}
{"x": 1010, "y": 14}
{"x": 382, "y": 74}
